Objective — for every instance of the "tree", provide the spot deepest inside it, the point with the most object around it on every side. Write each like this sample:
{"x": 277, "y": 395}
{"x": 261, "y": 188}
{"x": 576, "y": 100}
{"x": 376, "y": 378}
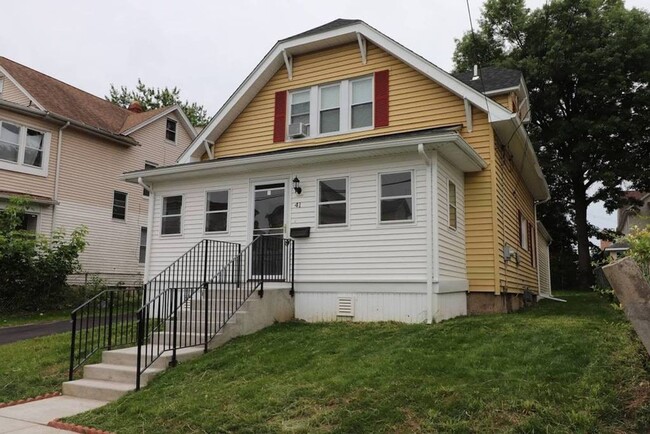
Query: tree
{"x": 587, "y": 67}
{"x": 152, "y": 98}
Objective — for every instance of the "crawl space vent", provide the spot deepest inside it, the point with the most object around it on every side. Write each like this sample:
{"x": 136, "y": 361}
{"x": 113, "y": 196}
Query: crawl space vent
{"x": 345, "y": 306}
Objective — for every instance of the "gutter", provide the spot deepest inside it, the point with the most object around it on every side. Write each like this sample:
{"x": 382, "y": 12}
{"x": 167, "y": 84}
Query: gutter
{"x": 431, "y": 256}
{"x": 307, "y": 153}
{"x": 57, "y": 174}
{"x": 122, "y": 140}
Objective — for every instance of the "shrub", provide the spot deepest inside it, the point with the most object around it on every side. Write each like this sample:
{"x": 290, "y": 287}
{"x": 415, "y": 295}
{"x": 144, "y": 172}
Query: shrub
{"x": 639, "y": 241}
{"x": 33, "y": 268}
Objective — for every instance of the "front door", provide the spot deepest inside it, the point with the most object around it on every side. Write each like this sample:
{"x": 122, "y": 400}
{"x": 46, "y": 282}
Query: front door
{"x": 268, "y": 220}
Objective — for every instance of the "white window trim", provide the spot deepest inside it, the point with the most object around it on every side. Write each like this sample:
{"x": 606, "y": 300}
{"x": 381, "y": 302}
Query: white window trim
{"x": 523, "y": 227}
{"x": 412, "y": 196}
{"x": 346, "y": 201}
{"x": 175, "y": 141}
{"x": 345, "y": 107}
{"x": 126, "y": 206}
{"x": 206, "y": 212}
{"x": 450, "y": 205}
{"x": 162, "y": 216}
{"x": 19, "y": 166}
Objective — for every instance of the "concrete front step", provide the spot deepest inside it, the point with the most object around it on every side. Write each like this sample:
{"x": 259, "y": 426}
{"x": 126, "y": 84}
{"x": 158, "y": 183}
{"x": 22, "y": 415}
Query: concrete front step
{"x": 119, "y": 373}
{"x": 129, "y": 356}
{"x": 97, "y": 389}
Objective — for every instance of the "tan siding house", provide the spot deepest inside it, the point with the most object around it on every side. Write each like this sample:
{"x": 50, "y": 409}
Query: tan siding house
{"x": 436, "y": 180}
{"x": 85, "y": 148}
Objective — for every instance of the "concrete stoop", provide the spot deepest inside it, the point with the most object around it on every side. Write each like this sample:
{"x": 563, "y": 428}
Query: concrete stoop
{"x": 115, "y": 376}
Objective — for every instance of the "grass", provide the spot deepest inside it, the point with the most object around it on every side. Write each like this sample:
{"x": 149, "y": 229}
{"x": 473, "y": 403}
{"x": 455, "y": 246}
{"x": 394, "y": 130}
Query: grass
{"x": 558, "y": 367}
{"x": 33, "y": 367}
{"x": 24, "y": 318}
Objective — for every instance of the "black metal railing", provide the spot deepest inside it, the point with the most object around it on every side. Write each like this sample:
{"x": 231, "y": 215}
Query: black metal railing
{"x": 191, "y": 313}
{"x": 106, "y": 321}
{"x": 109, "y": 319}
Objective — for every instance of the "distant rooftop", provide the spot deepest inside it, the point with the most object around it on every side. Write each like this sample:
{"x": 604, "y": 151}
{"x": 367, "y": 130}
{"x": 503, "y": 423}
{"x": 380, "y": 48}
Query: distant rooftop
{"x": 332, "y": 25}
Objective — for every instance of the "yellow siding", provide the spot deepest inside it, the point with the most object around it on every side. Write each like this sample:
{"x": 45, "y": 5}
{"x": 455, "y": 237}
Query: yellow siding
{"x": 416, "y": 102}
{"x": 513, "y": 196}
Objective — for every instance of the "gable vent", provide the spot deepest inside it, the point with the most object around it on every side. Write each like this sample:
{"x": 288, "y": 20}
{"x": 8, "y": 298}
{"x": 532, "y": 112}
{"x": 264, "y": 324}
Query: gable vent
{"x": 345, "y": 306}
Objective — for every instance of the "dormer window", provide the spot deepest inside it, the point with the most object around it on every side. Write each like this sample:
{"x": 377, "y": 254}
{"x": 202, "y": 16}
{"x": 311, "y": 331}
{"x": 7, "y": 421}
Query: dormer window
{"x": 361, "y": 104}
{"x": 170, "y": 133}
{"x": 300, "y": 109}
{"x": 330, "y": 109}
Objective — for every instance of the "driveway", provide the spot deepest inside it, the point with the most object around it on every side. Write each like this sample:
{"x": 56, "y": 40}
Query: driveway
{"x": 19, "y": 333}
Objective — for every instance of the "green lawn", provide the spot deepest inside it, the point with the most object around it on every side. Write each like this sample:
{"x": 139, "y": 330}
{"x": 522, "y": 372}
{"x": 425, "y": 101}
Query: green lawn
{"x": 33, "y": 367}
{"x": 23, "y": 318}
{"x": 558, "y": 367}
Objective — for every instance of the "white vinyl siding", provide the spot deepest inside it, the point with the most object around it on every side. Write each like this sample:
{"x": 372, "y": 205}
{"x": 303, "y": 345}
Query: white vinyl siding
{"x": 364, "y": 250}
{"x": 451, "y": 243}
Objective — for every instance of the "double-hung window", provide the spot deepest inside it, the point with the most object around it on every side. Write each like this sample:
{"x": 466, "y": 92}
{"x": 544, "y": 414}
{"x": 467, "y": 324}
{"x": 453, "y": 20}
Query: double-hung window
{"x": 143, "y": 245}
{"x": 216, "y": 211}
{"x": 330, "y": 109}
{"x": 453, "y": 211}
{"x": 361, "y": 103}
{"x": 332, "y": 201}
{"x": 396, "y": 197}
{"x": 21, "y": 146}
{"x": 171, "y": 215}
{"x": 170, "y": 130}
{"x": 119, "y": 205}
{"x": 300, "y": 108}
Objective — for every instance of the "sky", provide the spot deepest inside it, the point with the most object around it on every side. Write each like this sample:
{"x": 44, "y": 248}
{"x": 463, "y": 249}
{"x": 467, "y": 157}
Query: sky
{"x": 207, "y": 48}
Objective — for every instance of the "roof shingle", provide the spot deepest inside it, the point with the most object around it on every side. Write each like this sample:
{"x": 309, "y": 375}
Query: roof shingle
{"x": 491, "y": 78}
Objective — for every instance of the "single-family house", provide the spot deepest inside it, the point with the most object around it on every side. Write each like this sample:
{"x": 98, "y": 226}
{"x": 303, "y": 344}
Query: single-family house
{"x": 409, "y": 193}
{"x": 65, "y": 149}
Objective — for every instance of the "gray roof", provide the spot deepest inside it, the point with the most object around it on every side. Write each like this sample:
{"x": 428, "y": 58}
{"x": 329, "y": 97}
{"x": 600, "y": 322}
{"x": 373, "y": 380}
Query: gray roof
{"x": 332, "y": 25}
{"x": 492, "y": 77}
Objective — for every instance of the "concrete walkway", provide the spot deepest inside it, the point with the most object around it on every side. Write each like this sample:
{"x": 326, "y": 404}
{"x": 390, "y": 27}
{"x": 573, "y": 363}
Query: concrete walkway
{"x": 32, "y": 417}
{"x": 20, "y": 333}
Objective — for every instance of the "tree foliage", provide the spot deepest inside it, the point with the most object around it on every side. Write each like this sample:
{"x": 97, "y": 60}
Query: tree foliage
{"x": 33, "y": 268}
{"x": 587, "y": 67}
{"x": 152, "y": 98}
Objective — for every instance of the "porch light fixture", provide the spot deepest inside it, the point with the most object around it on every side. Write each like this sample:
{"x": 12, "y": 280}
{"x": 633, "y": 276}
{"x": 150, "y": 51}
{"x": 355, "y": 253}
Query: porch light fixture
{"x": 296, "y": 185}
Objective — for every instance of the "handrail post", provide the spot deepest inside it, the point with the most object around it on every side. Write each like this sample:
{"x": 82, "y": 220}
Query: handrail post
{"x": 74, "y": 333}
{"x": 205, "y": 296}
{"x": 174, "y": 361}
{"x": 110, "y": 317}
{"x": 140, "y": 343}
{"x": 238, "y": 265}
{"x": 261, "y": 291}
{"x": 293, "y": 261}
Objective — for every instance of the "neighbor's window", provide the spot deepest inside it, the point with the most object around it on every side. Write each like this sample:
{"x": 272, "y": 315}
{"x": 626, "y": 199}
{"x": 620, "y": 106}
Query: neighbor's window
{"x": 361, "y": 103}
{"x": 119, "y": 205}
{"x": 523, "y": 231}
{"x": 21, "y": 145}
{"x": 300, "y": 108}
{"x": 143, "y": 245}
{"x": 216, "y": 211}
{"x": 170, "y": 133}
{"x": 330, "y": 109}
{"x": 171, "y": 215}
{"x": 453, "y": 212}
{"x": 29, "y": 222}
{"x": 148, "y": 166}
{"x": 396, "y": 197}
{"x": 332, "y": 201}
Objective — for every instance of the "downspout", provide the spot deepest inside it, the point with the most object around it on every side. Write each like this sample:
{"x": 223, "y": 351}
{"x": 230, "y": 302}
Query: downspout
{"x": 55, "y": 199}
{"x": 152, "y": 204}
{"x": 430, "y": 248}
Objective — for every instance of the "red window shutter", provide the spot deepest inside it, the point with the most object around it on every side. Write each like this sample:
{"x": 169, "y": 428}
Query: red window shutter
{"x": 280, "y": 121}
{"x": 381, "y": 98}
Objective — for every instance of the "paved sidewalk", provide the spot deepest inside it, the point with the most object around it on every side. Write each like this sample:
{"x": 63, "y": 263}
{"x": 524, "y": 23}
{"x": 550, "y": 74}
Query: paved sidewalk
{"x": 20, "y": 333}
{"x": 32, "y": 417}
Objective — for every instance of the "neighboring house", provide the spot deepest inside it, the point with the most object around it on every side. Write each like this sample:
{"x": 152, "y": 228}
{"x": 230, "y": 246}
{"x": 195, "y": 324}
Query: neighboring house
{"x": 65, "y": 149}
{"x": 419, "y": 190}
{"x": 633, "y": 215}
